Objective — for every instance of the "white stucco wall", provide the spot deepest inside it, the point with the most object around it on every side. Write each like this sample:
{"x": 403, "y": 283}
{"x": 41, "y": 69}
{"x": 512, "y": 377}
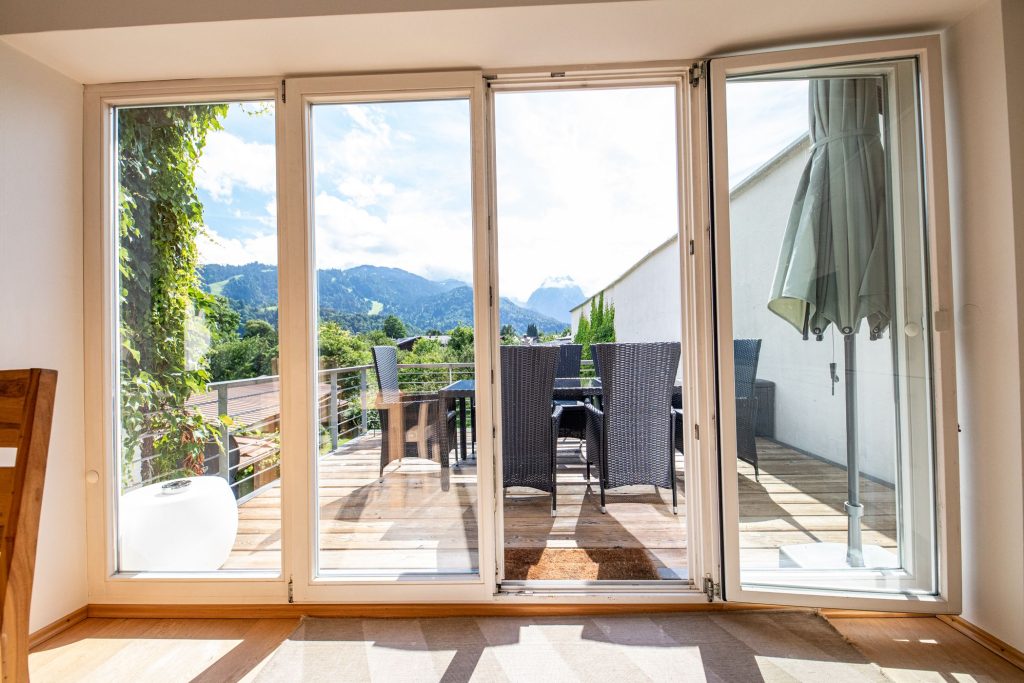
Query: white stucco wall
{"x": 649, "y": 295}
{"x": 984, "y": 60}
{"x": 807, "y": 414}
{"x": 41, "y": 300}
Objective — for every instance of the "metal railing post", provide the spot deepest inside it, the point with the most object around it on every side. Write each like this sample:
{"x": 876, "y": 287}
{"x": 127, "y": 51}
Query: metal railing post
{"x": 224, "y": 462}
{"x": 363, "y": 427}
{"x": 332, "y": 408}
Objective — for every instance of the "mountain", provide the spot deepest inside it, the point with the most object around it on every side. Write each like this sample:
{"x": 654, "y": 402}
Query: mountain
{"x": 360, "y": 298}
{"x": 556, "y": 297}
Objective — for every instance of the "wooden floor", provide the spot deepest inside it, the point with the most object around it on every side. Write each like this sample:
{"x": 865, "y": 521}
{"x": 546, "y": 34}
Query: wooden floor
{"x": 228, "y": 650}
{"x": 423, "y": 518}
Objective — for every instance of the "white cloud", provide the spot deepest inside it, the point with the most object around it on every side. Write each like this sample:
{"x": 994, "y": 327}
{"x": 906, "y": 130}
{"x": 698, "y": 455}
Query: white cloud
{"x": 228, "y": 161}
{"x": 214, "y": 248}
{"x": 587, "y": 183}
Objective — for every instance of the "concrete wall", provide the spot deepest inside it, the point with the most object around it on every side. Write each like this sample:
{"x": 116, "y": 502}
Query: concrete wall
{"x": 41, "y": 299}
{"x": 983, "y": 67}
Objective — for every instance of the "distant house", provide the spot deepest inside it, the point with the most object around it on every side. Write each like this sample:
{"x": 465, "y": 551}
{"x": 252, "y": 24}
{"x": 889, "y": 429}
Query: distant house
{"x": 406, "y": 343}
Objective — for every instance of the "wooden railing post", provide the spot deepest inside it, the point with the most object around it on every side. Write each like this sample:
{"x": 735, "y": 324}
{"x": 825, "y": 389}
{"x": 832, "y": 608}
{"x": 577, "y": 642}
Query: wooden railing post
{"x": 224, "y": 461}
{"x": 332, "y": 409}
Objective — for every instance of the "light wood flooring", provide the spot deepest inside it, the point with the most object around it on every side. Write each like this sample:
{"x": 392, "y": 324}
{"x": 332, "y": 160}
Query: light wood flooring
{"x": 228, "y": 650}
{"x": 423, "y": 518}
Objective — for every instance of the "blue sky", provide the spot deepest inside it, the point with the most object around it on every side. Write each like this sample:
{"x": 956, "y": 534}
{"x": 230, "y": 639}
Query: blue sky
{"x": 586, "y": 180}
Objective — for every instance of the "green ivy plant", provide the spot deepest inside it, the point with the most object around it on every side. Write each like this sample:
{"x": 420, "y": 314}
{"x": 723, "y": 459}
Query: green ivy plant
{"x": 162, "y": 306}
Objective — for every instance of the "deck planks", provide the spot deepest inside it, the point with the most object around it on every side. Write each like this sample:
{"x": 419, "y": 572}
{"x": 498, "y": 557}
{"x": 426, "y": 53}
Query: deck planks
{"x": 424, "y": 519}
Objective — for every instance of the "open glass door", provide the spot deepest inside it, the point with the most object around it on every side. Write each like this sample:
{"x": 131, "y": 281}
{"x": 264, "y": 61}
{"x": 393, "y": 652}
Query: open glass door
{"x": 837, "y": 428}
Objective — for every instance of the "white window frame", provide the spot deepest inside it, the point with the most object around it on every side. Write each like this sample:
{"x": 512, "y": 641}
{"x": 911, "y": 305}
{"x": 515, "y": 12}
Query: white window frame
{"x": 925, "y": 49}
{"x": 106, "y": 585}
{"x": 708, "y": 535}
{"x": 299, "y": 328}
{"x": 688, "y": 177}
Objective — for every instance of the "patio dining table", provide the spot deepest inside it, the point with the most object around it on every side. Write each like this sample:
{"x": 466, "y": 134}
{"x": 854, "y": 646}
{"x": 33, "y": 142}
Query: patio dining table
{"x": 566, "y": 389}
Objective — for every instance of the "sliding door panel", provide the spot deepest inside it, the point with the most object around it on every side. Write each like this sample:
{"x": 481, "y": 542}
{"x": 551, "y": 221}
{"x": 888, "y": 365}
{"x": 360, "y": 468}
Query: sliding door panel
{"x": 395, "y": 409}
{"x": 198, "y": 401}
{"x": 588, "y": 218}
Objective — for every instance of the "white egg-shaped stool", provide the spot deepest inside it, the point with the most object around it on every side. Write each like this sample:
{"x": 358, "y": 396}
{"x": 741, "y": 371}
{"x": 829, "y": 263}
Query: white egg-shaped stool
{"x": 180, "y": 525}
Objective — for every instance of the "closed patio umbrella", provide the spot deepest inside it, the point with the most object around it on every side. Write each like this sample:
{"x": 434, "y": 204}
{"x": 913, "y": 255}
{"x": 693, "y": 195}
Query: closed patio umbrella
{"x": 833, "y": 268}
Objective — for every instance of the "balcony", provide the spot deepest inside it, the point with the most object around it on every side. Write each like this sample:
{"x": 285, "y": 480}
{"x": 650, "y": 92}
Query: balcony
{"x": 422, "y": 518}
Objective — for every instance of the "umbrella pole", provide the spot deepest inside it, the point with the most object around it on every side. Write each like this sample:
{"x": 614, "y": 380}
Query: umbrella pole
{"x": 854, "y": 509}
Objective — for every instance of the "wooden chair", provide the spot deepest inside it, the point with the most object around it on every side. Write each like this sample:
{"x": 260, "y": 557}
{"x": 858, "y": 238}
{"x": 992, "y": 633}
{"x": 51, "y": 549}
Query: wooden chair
{"x": 26, "y": 411}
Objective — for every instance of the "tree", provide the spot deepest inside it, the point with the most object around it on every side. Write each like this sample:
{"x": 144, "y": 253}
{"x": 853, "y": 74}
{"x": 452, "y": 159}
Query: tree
{"x": 161, "y": 302}
{"x": 598, "y": 328}
{"x": 261, "y": 329}
{"x": 531, "y": 330}
{"x": 460, "y": 346}
{"x": 339, "y": 348}
{"x": 250, "y": 356}
{"x": 509, "y": 336}
{"x": 394, "y": 327}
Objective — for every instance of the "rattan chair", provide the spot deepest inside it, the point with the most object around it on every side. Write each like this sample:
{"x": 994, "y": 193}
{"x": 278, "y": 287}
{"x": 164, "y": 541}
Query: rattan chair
{"x": 428, "y": 419}
{"x": 633, "y": 431}
{"x": 745, "y": 354}
{"x": 574, "y": 418}
{"x": 529, "y": 425}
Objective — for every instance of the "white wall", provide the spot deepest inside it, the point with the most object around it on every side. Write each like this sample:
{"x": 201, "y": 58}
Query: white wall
{"x": 41, "y": 299}
{"x": 983, "y": 67}
{"x": 808, "y": 415}
{"x": 649, "y": 296}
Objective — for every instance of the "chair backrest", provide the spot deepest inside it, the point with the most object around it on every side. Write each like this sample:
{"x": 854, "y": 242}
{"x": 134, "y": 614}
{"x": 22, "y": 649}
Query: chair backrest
{"x": 385, "y": 364}
{"x": 636, "y": 395}
{"x": 527, "y": 387}
{"x": 745, "y": 355}
{"x": 569, "y": 358}
{"x": 26, "y": 413}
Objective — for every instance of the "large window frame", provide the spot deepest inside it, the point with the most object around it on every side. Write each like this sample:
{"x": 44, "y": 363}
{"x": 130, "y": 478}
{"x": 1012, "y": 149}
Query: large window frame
{"x": 709, "y": 453}
{"x": 925, "y": 50}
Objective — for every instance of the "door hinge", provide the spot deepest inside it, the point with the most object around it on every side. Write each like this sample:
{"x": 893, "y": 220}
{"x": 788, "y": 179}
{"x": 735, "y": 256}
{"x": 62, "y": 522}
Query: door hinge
{"x": 697, "y": 72}
{"x": 284, "y": 91}
{"x": 490, "y": 296}
{"x": 696, "y": 431}
{"x": 711, "y": 589}
{"x": 291, "y": 591}
{"x": 691, "y": 247}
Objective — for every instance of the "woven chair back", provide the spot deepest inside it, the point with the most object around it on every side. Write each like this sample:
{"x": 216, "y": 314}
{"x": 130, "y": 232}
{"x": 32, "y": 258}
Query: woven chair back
{"x": 527, "y": 386}
{"x": 636, "y": 393}
{"x": 569, "y": 358}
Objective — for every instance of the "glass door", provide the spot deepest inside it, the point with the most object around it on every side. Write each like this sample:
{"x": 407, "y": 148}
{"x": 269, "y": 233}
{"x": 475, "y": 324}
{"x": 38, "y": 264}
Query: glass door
{"x": 836, "y": 433}
{"x": 396, "y": 336}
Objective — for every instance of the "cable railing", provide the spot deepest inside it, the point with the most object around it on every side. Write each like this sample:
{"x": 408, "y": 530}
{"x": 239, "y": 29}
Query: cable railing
{"x": 246, "y": 451}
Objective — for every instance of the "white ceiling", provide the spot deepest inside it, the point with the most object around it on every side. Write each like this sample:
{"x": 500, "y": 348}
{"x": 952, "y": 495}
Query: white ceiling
{"x": 501, "y": 37}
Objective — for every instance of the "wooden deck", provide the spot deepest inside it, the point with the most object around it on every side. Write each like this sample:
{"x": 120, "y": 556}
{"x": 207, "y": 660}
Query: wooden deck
{"x": 423, "y": 518}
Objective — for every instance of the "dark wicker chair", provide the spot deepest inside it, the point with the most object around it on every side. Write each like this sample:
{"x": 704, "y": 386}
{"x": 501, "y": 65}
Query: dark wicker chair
{"x": 633, "y": 433}
{"x": 430, "y": 418}
{"x": 574, "y": 418}
{"x": 746, "y": 353}
{"x": 529, "y": 425}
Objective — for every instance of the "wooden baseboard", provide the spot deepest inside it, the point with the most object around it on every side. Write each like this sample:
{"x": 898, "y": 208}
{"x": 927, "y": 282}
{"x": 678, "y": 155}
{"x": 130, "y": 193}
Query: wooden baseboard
{"x": 273, "y": 611}
{"x": 983, "y": 637}
{"x": 50, "y": 630}
{"x": 835, "y": 613}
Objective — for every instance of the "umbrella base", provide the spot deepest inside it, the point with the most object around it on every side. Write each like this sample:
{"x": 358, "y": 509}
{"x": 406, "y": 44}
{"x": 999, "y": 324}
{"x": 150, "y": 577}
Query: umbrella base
{"x": 833, "y": 556}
